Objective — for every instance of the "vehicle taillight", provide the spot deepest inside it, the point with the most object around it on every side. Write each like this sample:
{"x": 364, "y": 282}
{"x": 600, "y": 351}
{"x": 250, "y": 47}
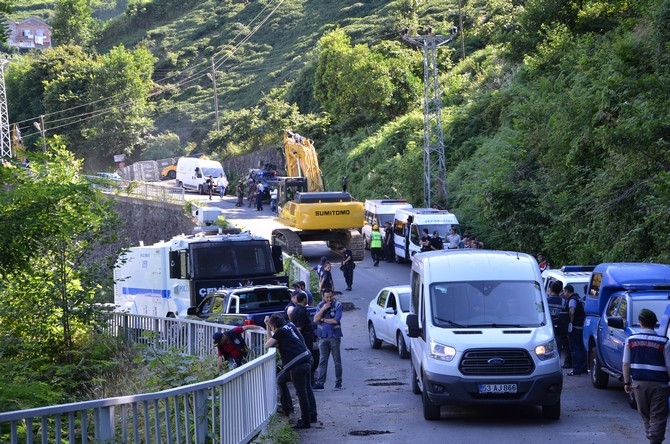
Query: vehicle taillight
{"x": 249, "y": 322}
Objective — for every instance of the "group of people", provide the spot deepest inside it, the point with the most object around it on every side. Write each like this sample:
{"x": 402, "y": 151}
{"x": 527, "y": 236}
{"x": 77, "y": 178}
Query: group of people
{"x": 305, "y": 347}
{"x": 221, "y": 182}
{"x": 381, "y": 247}
{"x": 451, "y": 241}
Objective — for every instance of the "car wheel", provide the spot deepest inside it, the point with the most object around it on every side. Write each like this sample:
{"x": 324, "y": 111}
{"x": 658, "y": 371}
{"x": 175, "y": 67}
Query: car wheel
{"x": 431, "y": 412}
{"x": 172, "y": 175}
{"x": 403, "y": 353}
{"x": 374, "y": 342}
{"x": 415, "y": 381}
{"x": 552, "y": 411}
{"x": 599, "y": 378}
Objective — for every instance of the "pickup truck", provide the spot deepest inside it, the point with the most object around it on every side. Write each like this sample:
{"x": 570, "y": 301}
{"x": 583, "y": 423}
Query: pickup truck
{"x": 243, "y": 305}
{"x": 616, "y": 294}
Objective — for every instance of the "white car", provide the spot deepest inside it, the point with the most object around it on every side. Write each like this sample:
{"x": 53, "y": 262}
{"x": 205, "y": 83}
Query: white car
{"x": 386, "y": 319}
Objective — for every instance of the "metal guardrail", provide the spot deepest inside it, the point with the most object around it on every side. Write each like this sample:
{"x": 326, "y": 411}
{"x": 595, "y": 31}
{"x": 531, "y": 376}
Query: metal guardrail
{"x": 138, "y": 189}
{"x": 230, "y": 409}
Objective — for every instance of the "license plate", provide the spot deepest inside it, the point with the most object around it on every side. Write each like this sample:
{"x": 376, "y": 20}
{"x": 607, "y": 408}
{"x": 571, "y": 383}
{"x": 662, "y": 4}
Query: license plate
{"x": 497, "y": 388}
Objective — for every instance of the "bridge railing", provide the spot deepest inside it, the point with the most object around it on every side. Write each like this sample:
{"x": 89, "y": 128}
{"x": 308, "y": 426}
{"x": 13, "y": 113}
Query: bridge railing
{"x": 138, "y": 189}
{"x": 230, "y": 409}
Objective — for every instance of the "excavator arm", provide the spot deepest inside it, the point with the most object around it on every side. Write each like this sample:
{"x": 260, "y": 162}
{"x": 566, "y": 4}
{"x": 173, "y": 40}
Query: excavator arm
{"x": 302, "y": 160}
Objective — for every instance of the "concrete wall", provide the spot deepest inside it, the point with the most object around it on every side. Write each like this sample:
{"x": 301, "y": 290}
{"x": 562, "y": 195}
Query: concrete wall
{"x": 150, "y": 221}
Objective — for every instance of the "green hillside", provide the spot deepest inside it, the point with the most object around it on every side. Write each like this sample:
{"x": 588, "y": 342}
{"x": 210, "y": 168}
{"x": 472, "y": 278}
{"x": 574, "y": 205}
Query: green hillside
{"x": 555, "y": 122}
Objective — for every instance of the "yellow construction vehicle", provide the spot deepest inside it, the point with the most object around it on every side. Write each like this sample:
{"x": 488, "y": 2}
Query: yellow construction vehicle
{"x": 310, "y": 213}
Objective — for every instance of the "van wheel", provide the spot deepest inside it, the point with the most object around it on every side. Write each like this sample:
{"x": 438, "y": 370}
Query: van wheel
{"x": 552, "y": 411}
{"x": 372, "y": 335}
{"x": 431, "y": 412}
{"x": 415, "y": 380}
{"x": 599, "y": 378}
{"x": 402, "y": 347}
{"x": 178, "y": 184}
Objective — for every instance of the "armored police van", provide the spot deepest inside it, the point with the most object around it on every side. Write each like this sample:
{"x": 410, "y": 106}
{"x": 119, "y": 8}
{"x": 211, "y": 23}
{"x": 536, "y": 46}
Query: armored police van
{"x": 408, "y": 224}
{"x": 481, "y": 333}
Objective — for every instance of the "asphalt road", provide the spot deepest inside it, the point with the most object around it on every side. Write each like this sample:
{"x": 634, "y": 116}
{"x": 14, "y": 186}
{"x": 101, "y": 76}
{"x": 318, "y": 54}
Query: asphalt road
{"x": 377, "y": 404}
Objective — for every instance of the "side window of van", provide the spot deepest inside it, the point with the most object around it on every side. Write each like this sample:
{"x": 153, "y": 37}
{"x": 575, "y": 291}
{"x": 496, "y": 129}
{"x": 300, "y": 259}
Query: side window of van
{"x": 414, "y": 235}
{"x": 399, "y": 228}
{"x": 596, "y": 280}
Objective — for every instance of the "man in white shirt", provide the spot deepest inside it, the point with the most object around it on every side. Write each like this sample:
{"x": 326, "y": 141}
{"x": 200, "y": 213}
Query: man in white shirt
{"x": 222, "y": 183}
{"x": 453, "y": 239}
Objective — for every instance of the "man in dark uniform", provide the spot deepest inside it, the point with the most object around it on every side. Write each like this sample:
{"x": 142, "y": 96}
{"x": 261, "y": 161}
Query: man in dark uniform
{"x": 646, "y": 372}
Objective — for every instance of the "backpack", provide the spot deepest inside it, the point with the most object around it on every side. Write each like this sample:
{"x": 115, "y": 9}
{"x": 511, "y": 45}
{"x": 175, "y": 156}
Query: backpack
{"x": 238, "y": 342}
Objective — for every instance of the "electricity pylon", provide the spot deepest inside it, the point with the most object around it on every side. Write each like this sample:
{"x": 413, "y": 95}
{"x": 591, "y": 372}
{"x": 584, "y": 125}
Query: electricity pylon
{"x": 5, "y": 136}
{"x": 434, "y": 160}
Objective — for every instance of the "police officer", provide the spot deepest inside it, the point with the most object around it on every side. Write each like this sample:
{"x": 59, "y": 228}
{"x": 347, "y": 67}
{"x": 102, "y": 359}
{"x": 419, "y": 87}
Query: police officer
{"x": 376, "y": 245}
{"x": 646, "y": 372}
{"x": 575, "y": 329}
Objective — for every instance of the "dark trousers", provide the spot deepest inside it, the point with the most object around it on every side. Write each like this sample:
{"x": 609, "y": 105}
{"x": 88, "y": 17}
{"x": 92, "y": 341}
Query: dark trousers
{"x": 652, "y": 403}
{"x": 300, "y": 376}
{"x": 577, "y": 350}
{"x": 259, "y": 202}
{"x": 348, "y": 275}
{"x": 376, "y": 254}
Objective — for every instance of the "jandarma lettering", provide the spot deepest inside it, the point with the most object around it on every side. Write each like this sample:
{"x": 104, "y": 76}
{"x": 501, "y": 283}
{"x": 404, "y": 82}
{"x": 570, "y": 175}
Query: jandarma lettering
{"x": 333, "y": 213}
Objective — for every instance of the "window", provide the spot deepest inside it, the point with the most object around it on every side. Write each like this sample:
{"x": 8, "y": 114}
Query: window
{"x": 381, "y": 300}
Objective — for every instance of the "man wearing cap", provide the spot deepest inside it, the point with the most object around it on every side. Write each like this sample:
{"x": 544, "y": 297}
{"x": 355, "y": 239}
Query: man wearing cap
{"x": 231, "y": 346}
{"x": 319, "y": 267}
{"x": 646, "y": 372}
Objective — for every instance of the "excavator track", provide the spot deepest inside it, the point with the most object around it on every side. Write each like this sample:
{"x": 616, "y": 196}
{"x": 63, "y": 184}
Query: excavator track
{"x": 288, "y": 240}
{"x": 357, "y": 245}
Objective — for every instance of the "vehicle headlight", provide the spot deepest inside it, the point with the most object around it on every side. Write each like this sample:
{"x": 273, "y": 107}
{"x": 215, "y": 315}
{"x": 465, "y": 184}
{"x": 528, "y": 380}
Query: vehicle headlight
{"x": 442, "y": 352}
{"x": 546, "y": 351}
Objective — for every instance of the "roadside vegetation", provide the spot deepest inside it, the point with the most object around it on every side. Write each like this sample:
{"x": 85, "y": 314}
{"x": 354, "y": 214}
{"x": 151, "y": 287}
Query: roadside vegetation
{"x": 555, "y": 118}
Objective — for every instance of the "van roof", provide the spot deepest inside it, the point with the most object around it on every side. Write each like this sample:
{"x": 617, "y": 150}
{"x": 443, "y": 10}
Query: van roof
{"x": 468, "y": 264}
{"x": 632, "y": 273}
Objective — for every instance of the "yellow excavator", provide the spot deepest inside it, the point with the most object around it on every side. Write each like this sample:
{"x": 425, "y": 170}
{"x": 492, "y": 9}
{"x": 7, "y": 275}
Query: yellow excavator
{"x": 310, "y": 213}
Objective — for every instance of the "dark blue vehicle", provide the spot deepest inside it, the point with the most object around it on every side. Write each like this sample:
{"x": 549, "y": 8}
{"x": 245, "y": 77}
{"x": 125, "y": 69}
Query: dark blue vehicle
{"x": 616, "y": 294}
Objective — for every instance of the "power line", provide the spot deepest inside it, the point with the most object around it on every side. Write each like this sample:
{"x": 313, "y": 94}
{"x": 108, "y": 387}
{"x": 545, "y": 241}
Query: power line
{"x": 189, "y": 78}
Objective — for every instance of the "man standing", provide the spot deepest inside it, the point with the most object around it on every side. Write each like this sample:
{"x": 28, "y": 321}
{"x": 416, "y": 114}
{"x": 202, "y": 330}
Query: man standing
{"x": 375, "y": 245}
{"x": 240, "y": 194}
{"x": 389, "y": 250}
{"x": 425, "y": 240}
{"x": 260, "y": 189}
{"x": 326, "y": 278}
{"x": 453, "y": 239}
{"x": 222, "y": 183}
{"x": 302, "y": 321}
{"x": 646, "y": 372}
{"x": 575, "y": 329}
{"x": 329, "y": 332}
{"x": 295, "y": 366}
{"x": 210, "y": 186}
{"x": 347, "y": 267}
{"x": 436, "y": 242}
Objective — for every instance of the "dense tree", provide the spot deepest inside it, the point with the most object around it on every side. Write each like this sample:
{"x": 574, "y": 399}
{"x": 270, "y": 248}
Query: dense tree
{"x": 73, "y": 23}
{"x": 55, "y": 220}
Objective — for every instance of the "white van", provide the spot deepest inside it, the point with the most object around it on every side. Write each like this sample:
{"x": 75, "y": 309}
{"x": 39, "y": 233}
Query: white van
{"x": 408, "y": 224}
{"x": 192, "y": 172}
{"x": 378, "y": 212}
{"x": 481, "y": 333}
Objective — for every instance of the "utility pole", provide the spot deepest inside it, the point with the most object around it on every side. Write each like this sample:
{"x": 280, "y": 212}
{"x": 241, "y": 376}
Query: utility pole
{"x": 5, "y": 135}
{"x": 43, "y": 131}
{"x": 212, "y": 77}
{"x": 434, "y": 159}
